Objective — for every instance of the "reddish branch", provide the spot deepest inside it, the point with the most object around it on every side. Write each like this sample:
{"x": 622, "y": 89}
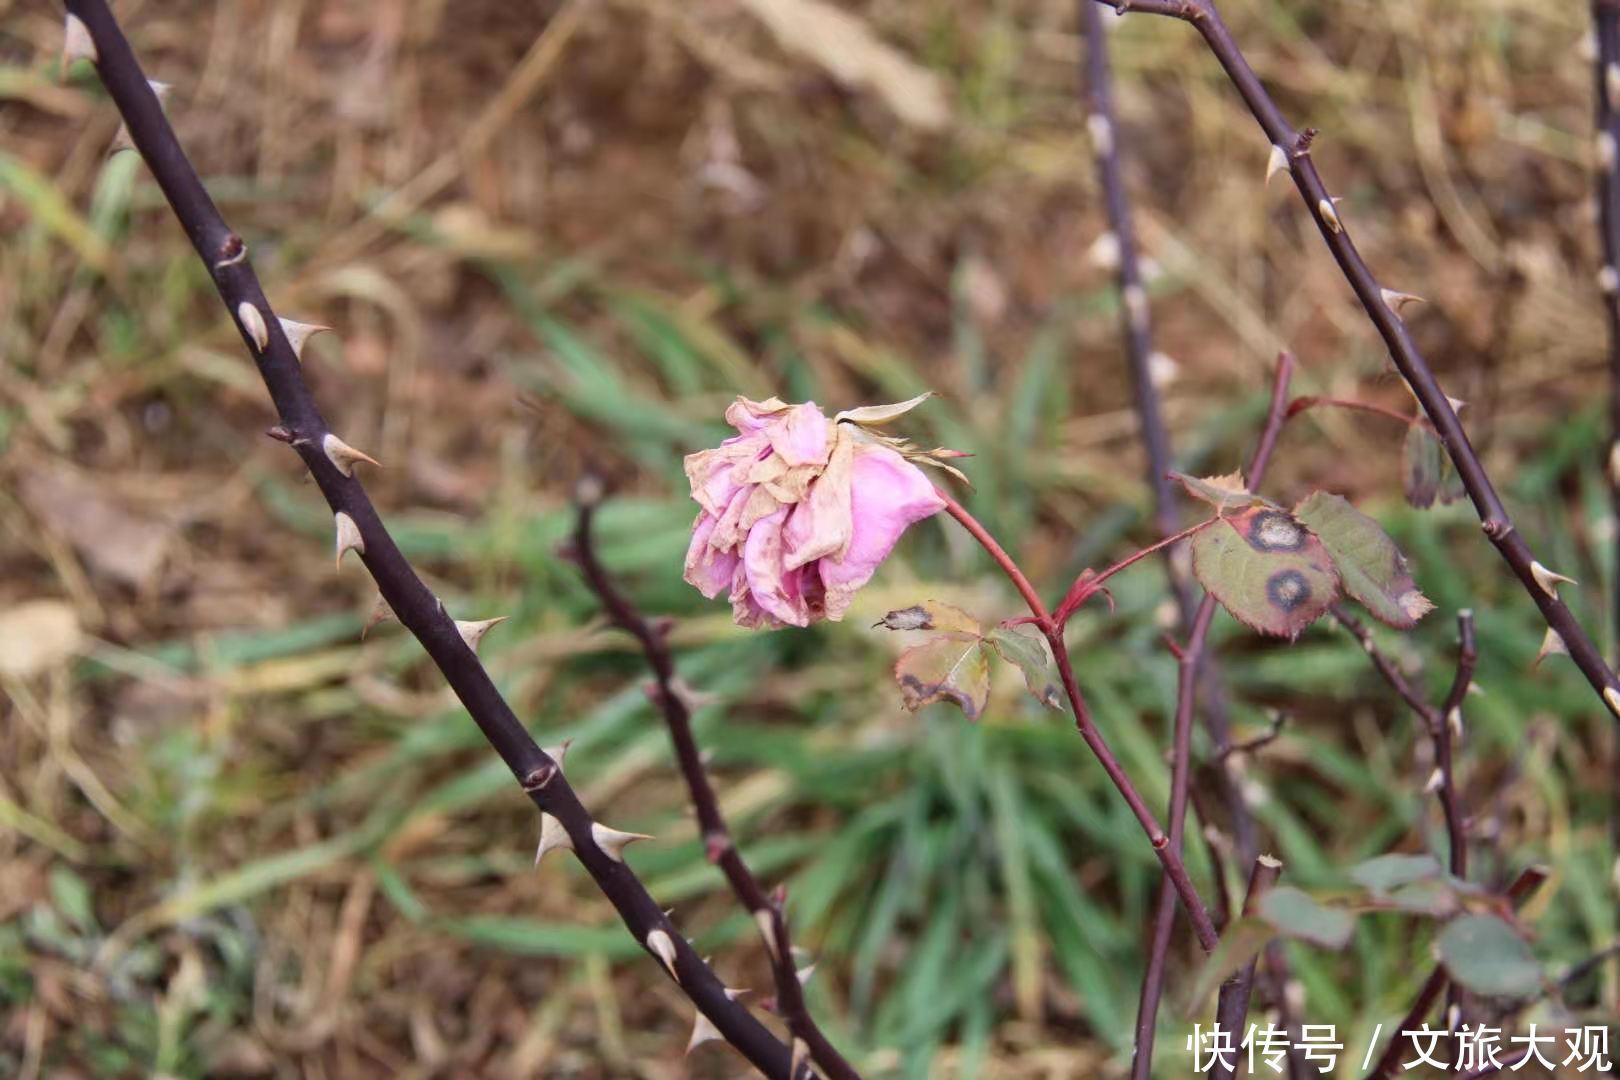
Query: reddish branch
{"x": 1295, "y": 149}
{"x": 1169, "y": 854}
{"x": 718, "y": 844}
{"x": 305, "y": 429}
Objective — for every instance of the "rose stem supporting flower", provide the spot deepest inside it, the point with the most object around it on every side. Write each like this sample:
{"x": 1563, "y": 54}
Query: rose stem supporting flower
{"x": 1169, "y": 854}
{"x": 416, "y": 607}
{"x": 717, "y": 841}
{"x": 1295, "y": 150}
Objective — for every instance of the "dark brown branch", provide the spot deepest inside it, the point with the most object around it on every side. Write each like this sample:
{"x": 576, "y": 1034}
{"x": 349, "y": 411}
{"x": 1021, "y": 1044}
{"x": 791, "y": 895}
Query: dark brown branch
{"x": 718, "y": 844}
{"x": 1414, "y": 1018}
{"x": 1606, "y": 94}
{"x": 1295, "y": 148}
{"x": 305, "y": 429}
{"x": 1232, "y": 1005}
{"x": 1147, "y": 1011}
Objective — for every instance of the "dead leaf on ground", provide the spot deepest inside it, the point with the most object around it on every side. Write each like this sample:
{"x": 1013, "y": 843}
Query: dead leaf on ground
{"x": 846, "y": 47}
{"x": 36, "y": 635}
{"x": 115, "y": 540}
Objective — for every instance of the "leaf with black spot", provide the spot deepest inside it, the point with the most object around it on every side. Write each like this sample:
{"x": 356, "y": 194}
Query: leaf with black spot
{"x": 952, "y": 667}
{"x": 1426, "y": 471}
{"x": 1371, "y": 567}
{"x": 1267, "y": 569}
{"x": 931, "y": 615}
{"x": 1029, "y": 654}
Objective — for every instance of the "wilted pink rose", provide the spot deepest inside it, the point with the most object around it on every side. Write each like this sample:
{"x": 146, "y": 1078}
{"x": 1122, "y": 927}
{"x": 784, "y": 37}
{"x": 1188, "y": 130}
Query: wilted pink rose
{"x": 798, "y": 511}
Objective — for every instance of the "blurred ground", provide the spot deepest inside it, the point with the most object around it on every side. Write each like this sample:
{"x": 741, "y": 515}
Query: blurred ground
{"x": 238, "y": 841}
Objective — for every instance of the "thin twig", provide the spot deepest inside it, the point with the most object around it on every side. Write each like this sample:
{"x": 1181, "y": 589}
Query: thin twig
{"x": 305, "y": 429}
{"x": 1294, "y": 148}
{"x": 1232, "y": 1006}
{"x": 1147, "y": 1010}
{"x": 718, "y": 844}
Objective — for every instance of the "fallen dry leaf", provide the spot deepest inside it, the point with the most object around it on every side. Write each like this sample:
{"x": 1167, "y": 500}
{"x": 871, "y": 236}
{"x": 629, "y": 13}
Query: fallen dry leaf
{"x": 115, "y": 540}
{"x": 36, "y": 635}
{"x": 852, "y": 54}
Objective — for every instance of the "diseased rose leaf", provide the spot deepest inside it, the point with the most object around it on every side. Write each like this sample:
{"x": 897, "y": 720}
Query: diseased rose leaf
{"x": 1266, "y": 569}
{"x": 1296, "y": 914}
{"x": 1371, "y": 568}
{"x": 1030, "y": 655}
{"x": 1426, "y": 470}
{"x": 952, "y": 667}
{"x": 1224, "y": 493}
{"x": 932, "y": 615}
{"x": 1486, "y": 955}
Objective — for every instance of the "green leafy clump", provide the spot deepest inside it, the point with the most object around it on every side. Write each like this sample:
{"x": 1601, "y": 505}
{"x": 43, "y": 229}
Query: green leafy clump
{"x": 1278, "y": 571}
{"x": 954, "y": 665}
{"x": 1485, "y": 954}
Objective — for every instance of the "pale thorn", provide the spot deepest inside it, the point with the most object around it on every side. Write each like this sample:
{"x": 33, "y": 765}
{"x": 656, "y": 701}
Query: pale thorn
{"x": 1552, "y": 643}
{"x": 1457, "y": 404}
{"x": 1614, "y": 463}
{"x": 473, "y": 632}
{"x": 1611, "y": 698}
{"x": 1397, "y": 301}
{"x": 703, "y": 1030}
{"x": 1278, "y": 162}
{"x": 1136, "y": 305}
{"x": 76, "y": 44}
{"x": 1102, "y": 134}
{"x": 735, "y": 992}
{"x": 1455, "y": 722}
{"x": 804, "y": 973}
{"x": 253, "y": 323}
{"x": 344, "y": 456}
{"x": 300, "y": 332}
{"x": 1606, "y": 151}
{"x": 1611, "y": 84}
{"x": 1608, "y": 280}
{"x": 1549, "y": 579}
{"x": 553, "y": 837}
{"x": 1162, "y": 369}
{"x": 1475, "y": 690}
{"x": 1104, "y": 251}
{"x": 800, "y": 1058}
{"x": 663, "y": 946}
{"x": 612, "y": 841}
{"x": 348, "y": 536}
{"x": 1330, "y": 215}
{"x": 767, "y": 928}
{"x": 122, "y": 140}
{"x": 1436, "y": 780}
{"x": 558, "y": 752}
{"x": 380, "y": 612}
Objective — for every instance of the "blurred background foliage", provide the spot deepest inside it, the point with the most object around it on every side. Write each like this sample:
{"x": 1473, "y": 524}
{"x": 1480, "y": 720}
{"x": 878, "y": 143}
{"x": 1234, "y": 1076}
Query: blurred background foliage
{"x": 237, "y": 840}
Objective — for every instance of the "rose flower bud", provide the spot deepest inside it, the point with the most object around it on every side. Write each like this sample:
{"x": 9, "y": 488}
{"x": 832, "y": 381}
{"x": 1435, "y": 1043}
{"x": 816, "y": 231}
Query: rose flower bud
{"x": 799, "y": 510}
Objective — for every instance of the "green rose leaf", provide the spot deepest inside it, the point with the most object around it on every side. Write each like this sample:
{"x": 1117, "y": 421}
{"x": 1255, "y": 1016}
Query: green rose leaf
{"x": 1371, "y": 567}
{"x": 1295, "y": 914}
{"x": 1029, "y": 654}
{"x": 1426, "y": 470}
{"x": 1486, "y": 955}
{"x": 1386, "y": 873}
